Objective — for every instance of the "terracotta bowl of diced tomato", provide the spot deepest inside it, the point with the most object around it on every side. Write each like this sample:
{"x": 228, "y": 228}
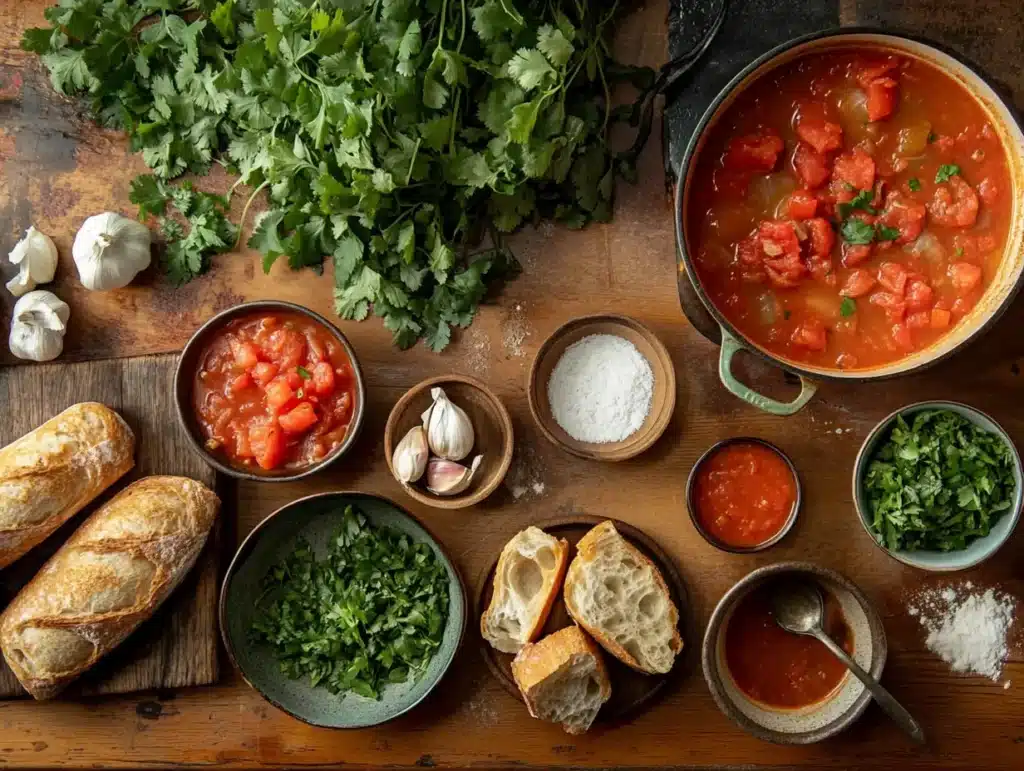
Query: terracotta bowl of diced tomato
{"x": 269, "y": 391}
{"x": 848, "y": 209}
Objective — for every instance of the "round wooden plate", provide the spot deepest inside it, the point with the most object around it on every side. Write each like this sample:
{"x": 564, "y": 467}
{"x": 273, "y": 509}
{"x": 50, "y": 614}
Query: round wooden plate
{"x": 631, "y": 690}
{"x": 663, "y": 400}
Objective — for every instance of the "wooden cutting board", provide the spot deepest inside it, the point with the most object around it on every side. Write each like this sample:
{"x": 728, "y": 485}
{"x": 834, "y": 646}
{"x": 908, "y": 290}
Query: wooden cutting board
{"x": 178, "y": 646}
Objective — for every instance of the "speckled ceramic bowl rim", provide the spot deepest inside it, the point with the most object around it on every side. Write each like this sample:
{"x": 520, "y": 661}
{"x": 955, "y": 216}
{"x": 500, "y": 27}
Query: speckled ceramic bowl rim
{"x": 691, "y": 507}
{"x": 183, "y": 386}
{"x": 245, "y": 549}
{"x": 860, "y": 468}
{"x": 716, "y": 627}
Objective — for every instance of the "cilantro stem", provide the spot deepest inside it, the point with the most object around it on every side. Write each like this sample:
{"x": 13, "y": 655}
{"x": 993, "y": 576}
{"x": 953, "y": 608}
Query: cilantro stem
{"x": 245, "y": 210}
{"x": 442, "y": 24}
{"x": 462, "y": 31}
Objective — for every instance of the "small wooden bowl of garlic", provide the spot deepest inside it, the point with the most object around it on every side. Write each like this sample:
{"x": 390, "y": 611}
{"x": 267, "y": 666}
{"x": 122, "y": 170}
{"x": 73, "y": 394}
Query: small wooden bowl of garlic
{"x": 449, "y": 441}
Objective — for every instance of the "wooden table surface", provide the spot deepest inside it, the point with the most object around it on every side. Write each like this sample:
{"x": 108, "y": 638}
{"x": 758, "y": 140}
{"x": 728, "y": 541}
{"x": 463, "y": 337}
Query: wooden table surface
{"x": 56, "y": 169}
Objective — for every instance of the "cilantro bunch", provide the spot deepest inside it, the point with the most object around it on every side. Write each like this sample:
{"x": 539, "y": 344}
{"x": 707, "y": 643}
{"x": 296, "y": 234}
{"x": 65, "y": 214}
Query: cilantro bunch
{"x": 372, "y": 612}
{"x": 938, "y": 483}
{"x": 392, "y": 136}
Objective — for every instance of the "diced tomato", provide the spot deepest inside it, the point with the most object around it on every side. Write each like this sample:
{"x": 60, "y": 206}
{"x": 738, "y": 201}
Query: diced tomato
{"x": 855, "y": 168}
{"x": 904, "y": 214}
{"x": 963, "y": 305}
{"x": 243, "y": 448}
{"x": 988, "y": 191}
{"x": 811, "y": 334}
{"x": 893, "y": 276}
{"x": 855, "y": 254}
{"x": 987, "y": 243}
{"x": 778, "y": 237}
{"x": 279, "y": 393}
{"x": 240, "y": 383}
{"x": 264, "y": 372}
{"x": 824, "y": 136}
{"x": 901, "y": 334}
{"x": 294, "y": 379}
{"x": 802, "y": 205}
{"x": 753, "y": 152}
{"x": 874, "y": 70}
{"x": 268, "y": 445}
{"x": 894, "y": 306}
{"x": 823, "y": 238}
{"x": 859, "y": 283}
{"x": 821, "y": 269}
{"x": 810, "y": 166}
{"x": 944, "y": 144}
{"x": 919, "y": 295}
{"x": 315, "y": 348}
{"x": 781, "y": 279}
{"x": 964, "y": 276}
{"x": 286, "y": 347}
{"x": 954, "y": 203}
{"x": 940, "y": 318}
{"x": 299, "y": 419}
{"x": 881, "y": 98}
{"x": 323, "y": 379}
{"x": 730, "y": 182}
{"x": 919, "y": 320}
{"x": 245, "y": 354}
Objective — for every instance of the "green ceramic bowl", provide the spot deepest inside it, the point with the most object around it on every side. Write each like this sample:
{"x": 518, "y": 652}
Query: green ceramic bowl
{"x": 317, "y": 518}
{"x": 978, "y": 550}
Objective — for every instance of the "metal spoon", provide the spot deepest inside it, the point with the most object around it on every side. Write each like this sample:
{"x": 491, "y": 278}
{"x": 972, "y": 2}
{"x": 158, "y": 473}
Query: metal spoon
{"x": 799, "y": 608}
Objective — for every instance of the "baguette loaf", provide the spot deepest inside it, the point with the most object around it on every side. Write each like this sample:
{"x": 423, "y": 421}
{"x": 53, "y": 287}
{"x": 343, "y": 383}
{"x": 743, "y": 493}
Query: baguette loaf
{"x": 48, "y": 475}
{"x": 526, "y": 584}
{"x": 108, "y": 578}
{"x": 563, "y": 679}
{"x": 614, "y": 592}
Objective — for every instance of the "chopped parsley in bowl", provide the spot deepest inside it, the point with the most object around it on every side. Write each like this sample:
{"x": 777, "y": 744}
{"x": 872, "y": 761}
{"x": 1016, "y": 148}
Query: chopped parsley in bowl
{"x": 938, "y": 485}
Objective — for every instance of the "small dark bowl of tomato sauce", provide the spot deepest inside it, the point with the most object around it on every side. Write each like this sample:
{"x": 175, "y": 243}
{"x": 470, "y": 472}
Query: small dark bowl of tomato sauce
{"x": 269, "y": 391}
{"x": 743, "y": 495}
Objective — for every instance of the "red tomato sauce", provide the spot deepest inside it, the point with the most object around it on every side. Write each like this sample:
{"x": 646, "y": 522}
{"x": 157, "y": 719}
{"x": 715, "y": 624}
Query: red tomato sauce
{"x": 744, "y": 494}
{"x": 778, "y": 668}
{"x": 850, "y": 208}
{"x": 275, "y": 390}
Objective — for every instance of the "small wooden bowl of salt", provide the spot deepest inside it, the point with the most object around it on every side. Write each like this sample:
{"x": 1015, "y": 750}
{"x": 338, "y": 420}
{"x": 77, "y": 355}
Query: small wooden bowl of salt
{"x": 603, "y": 387}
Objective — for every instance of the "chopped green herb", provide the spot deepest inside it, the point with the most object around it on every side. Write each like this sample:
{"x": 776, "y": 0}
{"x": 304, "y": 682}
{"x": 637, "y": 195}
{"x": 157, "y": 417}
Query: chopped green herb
{"x": 914, "y": 184}
{"x": 946, "y": 171}
{"x": 886, "y": 233}
{"x": 861, "y": 201}
{"x": 372, "y": 611}
{"x": 847, "y": 307}
{"x": 959, "y": 251}
{"x": 932, "y": 136}
{"x": 856, "y": 231}
{"x": 937, "y": 483}
{"x": 848, "y": 187}
{"x": 786, "y": 314}
{"x": 303, "y": 373}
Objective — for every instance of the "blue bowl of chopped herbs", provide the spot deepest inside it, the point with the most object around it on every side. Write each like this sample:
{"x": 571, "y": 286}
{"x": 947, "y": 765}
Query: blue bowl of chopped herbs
{"x": 938, "y": 485}
{"x": 342, "y": 610}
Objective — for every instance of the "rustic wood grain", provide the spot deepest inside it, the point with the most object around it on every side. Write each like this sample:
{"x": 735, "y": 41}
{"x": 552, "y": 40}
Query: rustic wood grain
{"x": 178, "y": 646}
{"x": 56, "y": 170}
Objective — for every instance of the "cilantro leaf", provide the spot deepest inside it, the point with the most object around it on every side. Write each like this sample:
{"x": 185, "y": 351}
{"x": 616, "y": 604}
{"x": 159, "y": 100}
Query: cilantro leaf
{"x": 855, "y": 231}
{"x": 529, "y": 68}
{"x": 946, "y": 171}
{"x": 847, "y": 307}
{"x": 914, "y": 184}
{"x": 554, "y": 45}
{"x": 886, "y": 233}
{"x": 861, "y": 201}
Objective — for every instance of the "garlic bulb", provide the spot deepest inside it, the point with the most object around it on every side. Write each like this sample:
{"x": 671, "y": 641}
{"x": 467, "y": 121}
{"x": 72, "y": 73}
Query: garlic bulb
{"x": 36, "y": 258}
{"x": 449, "y": 431}
{"x": 109, "y": 251}
{"x": 37, "y": 329}
{"x": 446, "y": 477}
{"x": 411, "y": 455}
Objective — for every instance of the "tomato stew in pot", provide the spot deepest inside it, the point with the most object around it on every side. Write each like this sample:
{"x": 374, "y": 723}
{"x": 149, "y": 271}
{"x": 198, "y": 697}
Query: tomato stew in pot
{"x": 849, "y": 208}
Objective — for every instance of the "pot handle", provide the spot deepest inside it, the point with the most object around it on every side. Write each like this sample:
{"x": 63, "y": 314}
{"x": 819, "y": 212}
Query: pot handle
{"x": 730, "y": 347}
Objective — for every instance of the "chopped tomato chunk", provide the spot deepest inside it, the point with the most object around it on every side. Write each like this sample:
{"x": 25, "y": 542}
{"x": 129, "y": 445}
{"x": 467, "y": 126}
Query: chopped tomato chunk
{"x": 810, "y": 166}
{"x": 279, "y": 393}
{"x": 893, "y": 276}
{"x": 778, "y": 237}
{"x": 293, "y": 379}
{"x": 802, "y": 205}
{"x": 855, "y": 168}
{"x": 811, "y": 334}
{"x": 875, "y": 70}
{"x": 855, "y": 254}
{"x": 299, "y": 419}
{"x": 323, "y": 379}
{"x": 245, "y": 354}
{"x": 940, "y": 318}
{"x": 267, "y": 445}
{"x": 919, "y": 295}
{"x": 881, "y": 98}
{"x": 824, "y": 136}
{"x": 823, "y": 238}
{"x": 954, "y": 204}
{"x": 901, "y": 334}
{"x": 894, "y": 306}
{"x": 753, "y": 152}
{"x": 919, "y": 320}
{"x": 286, "y": 347}
{"x": 904, "y": 214}
{"x": 240, "y": 383}
{"x": 988, "y": 191}
{"x": 264, "y": 372}
{"x": 859, "y": 283}
{"x": 964, "y": 276}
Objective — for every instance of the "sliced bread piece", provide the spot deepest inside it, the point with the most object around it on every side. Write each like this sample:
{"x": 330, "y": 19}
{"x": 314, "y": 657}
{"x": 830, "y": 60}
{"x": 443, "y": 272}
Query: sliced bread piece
{"x": 618, "y": 595}
{"x": 526, "y": 583}
{"x": 563, "y": 679}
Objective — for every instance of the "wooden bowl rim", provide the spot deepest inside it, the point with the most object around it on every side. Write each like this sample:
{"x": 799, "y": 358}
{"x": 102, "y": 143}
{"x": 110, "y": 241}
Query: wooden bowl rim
{"x": 643, "y": 439}
{"x": 507, "y": 444}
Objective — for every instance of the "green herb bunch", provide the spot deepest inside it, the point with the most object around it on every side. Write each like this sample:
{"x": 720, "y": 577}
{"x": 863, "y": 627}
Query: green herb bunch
{"x": 393, "y": 136}
{"x": 372, "y": 612}
{"x": 938, "y": 483}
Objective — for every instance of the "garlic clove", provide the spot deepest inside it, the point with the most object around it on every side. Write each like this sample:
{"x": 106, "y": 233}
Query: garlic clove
{"x": 409, "y": 461}
{"x": 446, "y": 477}
{"x": 36, "y": 258}
{"x": 38, "y": 326}
{"x": 449, "y": 430}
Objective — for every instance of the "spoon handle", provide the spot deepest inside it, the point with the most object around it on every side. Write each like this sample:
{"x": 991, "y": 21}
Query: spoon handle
{"x": 885, "y": 699}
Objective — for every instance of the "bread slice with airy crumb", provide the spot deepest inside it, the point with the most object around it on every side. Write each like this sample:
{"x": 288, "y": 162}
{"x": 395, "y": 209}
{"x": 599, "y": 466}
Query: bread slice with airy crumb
{"x": 619, "y": 597}
{"x": 563, "y": 679}
{"x": 526, "y": 584}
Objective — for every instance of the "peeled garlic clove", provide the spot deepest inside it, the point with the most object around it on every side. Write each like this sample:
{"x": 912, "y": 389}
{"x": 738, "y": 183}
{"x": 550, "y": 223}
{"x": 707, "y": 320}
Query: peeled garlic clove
{"x": 449, "y": 430}
{"x": 446, "y": 477}
{"x": 410, "y": 458}
{"x": 36, "y": 258}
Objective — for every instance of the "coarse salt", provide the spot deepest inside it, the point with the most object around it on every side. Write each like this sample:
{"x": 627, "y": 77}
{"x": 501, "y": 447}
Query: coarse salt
{"x": 601, "y": 389}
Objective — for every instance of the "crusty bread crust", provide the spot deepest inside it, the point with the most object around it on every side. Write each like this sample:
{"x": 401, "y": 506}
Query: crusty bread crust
{"x": 603, "y": 536}
{"x": 109, "y": 577}
{"x": 551, "y": 587}
{"x": 51, "y": 473}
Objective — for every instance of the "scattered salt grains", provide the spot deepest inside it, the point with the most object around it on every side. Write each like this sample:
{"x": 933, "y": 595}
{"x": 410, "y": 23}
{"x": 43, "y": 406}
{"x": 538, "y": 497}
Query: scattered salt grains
{"x": 515, "y": 330}
{"x": 478, "y": 350}
{"x": 524, "y": 476}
